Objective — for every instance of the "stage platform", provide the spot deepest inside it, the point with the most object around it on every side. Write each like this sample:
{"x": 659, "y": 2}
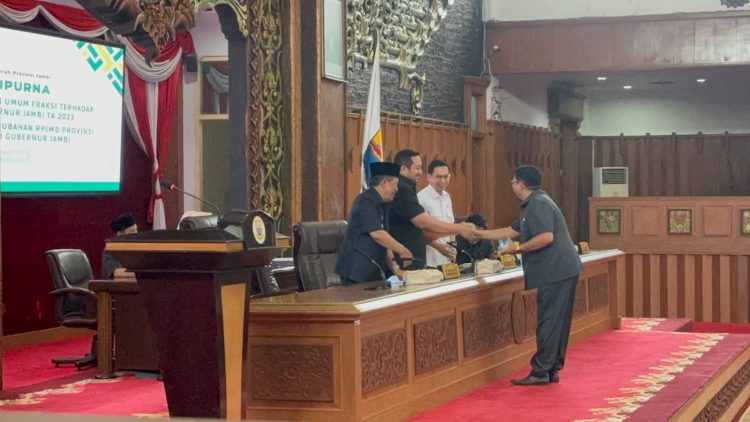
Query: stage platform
{"x": 648, "y": 370}
{"x": 636, "y": 374}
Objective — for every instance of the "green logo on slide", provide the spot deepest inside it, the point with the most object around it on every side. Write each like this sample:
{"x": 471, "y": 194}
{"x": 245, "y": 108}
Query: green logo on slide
{"x": 104, "y": 59}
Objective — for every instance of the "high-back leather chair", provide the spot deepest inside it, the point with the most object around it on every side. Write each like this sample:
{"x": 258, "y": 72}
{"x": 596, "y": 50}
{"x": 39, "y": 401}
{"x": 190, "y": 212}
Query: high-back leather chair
{"x": 75, "y": 304}
{"x": 315, "y": 251}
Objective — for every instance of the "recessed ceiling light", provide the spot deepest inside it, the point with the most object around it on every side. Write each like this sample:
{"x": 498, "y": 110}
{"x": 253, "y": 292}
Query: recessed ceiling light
{"x": 627, "y": 87}
{"x": 601, "y": 78}
{"x": 701, "y": 80}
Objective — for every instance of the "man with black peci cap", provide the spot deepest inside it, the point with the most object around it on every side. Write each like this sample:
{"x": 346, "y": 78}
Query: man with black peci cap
{"x": 363, "y": 254}
{"x": 123, "y": 224}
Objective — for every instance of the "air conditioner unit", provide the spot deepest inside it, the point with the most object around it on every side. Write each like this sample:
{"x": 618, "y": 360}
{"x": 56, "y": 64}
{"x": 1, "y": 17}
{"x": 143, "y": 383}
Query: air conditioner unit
{"x": 611, "y": 181}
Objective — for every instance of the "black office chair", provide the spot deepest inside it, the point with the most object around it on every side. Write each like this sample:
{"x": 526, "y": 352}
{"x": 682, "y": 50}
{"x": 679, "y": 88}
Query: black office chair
{"x": 75, "y": 304}
{"x": 315, "y": 251}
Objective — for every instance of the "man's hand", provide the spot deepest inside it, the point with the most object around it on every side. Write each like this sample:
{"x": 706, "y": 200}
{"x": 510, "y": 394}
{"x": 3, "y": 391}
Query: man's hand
{"x": 446, "y": 250}
{"x": 470, "y": 232}
{"x": 405, "y": 254}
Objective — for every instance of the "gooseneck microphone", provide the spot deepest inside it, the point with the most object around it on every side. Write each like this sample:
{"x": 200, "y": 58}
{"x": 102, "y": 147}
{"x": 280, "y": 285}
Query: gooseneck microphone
{"x": 383, "y": 281}
{"x": 166, "y": 184}
{"x": 462, "y": 251}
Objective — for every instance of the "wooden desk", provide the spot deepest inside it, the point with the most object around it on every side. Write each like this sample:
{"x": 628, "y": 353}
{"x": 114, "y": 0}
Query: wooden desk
{"x": 350, "y": 354}
{"x": 125, "y": 337}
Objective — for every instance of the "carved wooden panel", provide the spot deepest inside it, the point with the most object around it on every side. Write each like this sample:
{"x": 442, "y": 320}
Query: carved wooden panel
{"x": 292, "y": 372}
{"x": 435, "y": 343}
{"x": 726, "y": 396}
{"x": 488, "y": 327}
{"x": 580, "y": 306}
{"x": 529, "y": 303}
{"x": 717, "y": 221}
{"x": 715, "y": 225}
{"x": 518, "y": 316}
{"x": 384, "y": 359}
{"x": 598, "y": 291}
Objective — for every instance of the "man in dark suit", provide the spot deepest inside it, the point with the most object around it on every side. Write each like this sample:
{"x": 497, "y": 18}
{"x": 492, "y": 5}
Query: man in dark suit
{"x": 367, "y": 239}
{"x": 550, "y": 264}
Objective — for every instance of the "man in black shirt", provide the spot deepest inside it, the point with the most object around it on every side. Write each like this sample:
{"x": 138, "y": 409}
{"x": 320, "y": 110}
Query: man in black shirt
{"x": 407, "y": 219}
{"x": 550, "y": 264}
{"x": 366, "y": 239}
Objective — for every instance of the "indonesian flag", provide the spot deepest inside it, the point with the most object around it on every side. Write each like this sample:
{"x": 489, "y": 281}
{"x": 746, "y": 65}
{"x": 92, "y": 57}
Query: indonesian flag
{"x": 372, "y": 143}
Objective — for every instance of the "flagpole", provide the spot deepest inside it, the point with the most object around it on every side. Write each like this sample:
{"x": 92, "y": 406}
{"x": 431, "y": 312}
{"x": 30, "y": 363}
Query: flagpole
{"x": 372, "y": 144}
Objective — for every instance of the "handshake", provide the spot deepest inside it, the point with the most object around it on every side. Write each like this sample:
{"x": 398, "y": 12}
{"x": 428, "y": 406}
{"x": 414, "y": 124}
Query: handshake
{"x": 466, "y": 230}
{"x": 470, "y": 232}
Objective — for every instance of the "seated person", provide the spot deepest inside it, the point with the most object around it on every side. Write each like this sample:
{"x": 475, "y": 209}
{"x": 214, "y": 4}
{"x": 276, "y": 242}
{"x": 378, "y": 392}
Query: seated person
{"x": 111, "y": 268}
{"x": 478, "y": 250}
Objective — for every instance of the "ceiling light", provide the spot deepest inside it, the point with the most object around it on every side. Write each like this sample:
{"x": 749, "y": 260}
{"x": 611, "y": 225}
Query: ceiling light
{"x": 601, "y": 78}
{"x": 627, "y": 87}
{"x": 701, "y": 80}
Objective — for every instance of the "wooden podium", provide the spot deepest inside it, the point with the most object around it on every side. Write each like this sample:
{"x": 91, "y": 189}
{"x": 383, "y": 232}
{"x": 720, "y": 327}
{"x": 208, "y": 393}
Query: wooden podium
{"x": 196, "y": 287}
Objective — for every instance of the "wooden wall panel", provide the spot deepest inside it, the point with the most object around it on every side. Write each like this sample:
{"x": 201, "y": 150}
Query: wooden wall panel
{"x": 678, "y": 165}
{"x": 702, "y": 276}
{"x": 648, "y": 42}
{"x": 434, "y": 139}
{"x": 708, "y": 288}
{"x": 515, "y": 145}
{"x": 715, "y": 225}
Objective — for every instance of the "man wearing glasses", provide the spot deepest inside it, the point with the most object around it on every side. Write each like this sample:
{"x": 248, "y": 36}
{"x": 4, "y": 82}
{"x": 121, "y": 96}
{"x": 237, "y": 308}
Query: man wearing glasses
{"x": 437, "y": 203}
{"x": 550, "y": 264}
{"x": 407, "y": 219}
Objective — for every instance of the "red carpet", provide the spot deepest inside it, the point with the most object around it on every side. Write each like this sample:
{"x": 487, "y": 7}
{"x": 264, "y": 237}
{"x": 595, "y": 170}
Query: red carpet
{"x": 721, "y": 327}
{"x": 32, "y": 383}
{"x": 615, "y": 375}
{"x": 641, "y": 374}
{"x": 31, "y": 365}
{"x": 126, "y": 395}
{"x": 660, "y": 324}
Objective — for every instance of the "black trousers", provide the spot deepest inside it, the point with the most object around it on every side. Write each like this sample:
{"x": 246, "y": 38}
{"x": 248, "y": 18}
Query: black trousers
{"x": 554, "y": 308}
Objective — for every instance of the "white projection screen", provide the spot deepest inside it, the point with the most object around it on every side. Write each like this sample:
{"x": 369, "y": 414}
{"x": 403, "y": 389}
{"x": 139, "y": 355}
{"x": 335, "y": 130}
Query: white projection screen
{"x": 60, "y": 113}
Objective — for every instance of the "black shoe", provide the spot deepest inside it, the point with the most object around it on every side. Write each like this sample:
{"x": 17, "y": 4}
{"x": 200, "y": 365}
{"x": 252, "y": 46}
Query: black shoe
{"x": 554, "y": 377}
{"x": 531, "y": 380}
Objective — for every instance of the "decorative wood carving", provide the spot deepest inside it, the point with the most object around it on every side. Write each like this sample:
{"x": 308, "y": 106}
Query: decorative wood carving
{"x": 384, "y": 359}
{"x": 238, "y": 7}
{"x": 405, "y": 26}
{"x": 272, "y": 109}
{"x": 292, "y": 373}
{"x": 529, "y": 303}
{"x": 488, "y": 327}
{"x": 253, "y": 113}
{"x": 435, "y": 343}
{"x": 724, "y": 398}
{"x": 579, "y": 307}
{"x": 598, "y": 291}
{"x": 518, "y": 317}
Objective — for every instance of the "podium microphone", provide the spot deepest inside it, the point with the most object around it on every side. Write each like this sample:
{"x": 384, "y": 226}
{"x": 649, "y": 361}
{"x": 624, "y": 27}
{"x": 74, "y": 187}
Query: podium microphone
{"x": 462, "y": 252}
{"x": 166, "y": 184}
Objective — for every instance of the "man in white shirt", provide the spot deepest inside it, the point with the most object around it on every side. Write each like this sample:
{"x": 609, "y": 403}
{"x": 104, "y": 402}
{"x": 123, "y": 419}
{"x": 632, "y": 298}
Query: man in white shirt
{"x": 437, "y": 203}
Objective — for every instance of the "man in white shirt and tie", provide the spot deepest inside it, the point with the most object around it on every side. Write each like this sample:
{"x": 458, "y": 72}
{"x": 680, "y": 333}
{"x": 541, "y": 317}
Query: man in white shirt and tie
{"x": 437, "y": 203}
